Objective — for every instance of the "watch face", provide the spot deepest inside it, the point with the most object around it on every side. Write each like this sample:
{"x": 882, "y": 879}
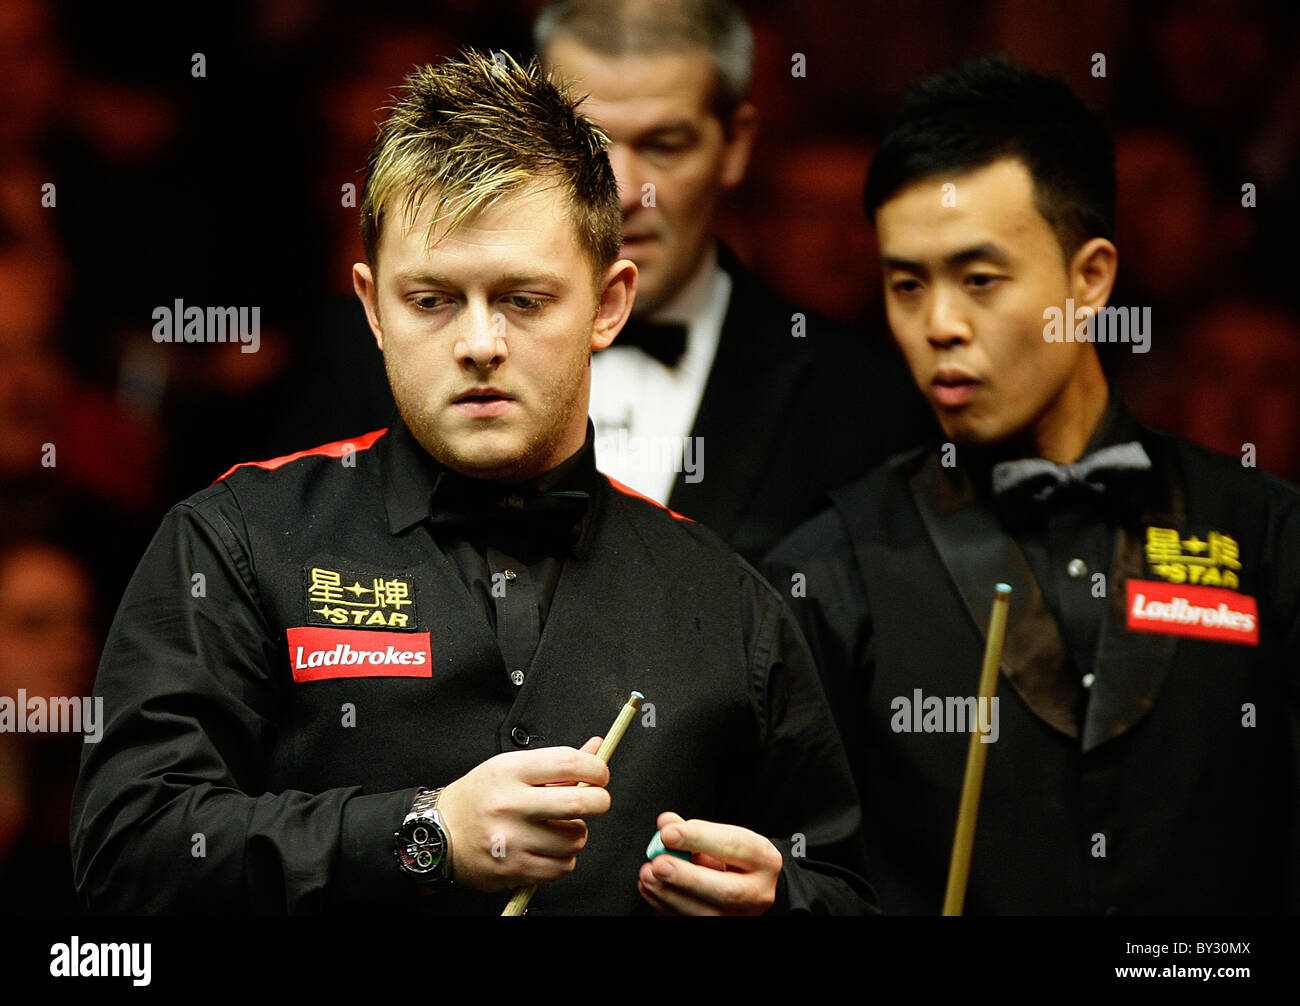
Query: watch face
{"x": 420, "y": 847}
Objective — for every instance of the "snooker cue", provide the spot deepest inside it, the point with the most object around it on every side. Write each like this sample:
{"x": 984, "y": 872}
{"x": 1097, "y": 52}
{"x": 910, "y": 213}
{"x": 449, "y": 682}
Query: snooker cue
{"x": 519, "y": 903}
{"x": 959, "y": 867}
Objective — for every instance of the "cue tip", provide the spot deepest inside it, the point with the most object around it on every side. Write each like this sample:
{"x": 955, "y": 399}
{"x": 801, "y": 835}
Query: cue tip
{"x": 1003, "y": 589}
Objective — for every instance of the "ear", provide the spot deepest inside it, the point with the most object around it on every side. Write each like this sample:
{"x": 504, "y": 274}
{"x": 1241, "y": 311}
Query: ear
{"x": 1092, "y": 273}
{"x": 738, "y": 133}
{"x": 363, "y": 282}
{"x": 617, "y": 294}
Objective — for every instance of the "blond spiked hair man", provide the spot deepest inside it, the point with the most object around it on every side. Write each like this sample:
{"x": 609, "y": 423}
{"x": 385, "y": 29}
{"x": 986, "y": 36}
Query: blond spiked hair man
{"x": 389, "y": 694}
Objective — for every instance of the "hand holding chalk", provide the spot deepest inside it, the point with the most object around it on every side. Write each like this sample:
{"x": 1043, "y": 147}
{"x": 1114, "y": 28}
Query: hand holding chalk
{"x": 725, "y": 869}
{"x": 657, "y": 848}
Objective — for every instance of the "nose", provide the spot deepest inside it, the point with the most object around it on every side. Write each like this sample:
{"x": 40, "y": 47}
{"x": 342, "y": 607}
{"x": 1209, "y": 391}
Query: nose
{"x": 481, "y": 343}
{"x": 629, "y": 175}
{"x": 946, "y": 325}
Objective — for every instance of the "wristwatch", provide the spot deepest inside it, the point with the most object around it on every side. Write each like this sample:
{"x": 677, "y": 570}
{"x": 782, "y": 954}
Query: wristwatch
{"x": 421, "y": 845}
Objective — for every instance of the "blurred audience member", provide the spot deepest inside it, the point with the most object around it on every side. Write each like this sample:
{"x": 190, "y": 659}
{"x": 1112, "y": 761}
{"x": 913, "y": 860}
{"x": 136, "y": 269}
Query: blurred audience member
{"x": 1230, "y": 384}
{"x": 1186, "y": 238}
{"x": 72, "y": 462}
{"x": 48, "y": 647}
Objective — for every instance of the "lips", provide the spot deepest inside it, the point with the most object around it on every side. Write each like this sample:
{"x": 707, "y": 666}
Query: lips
{"x": 953, "y": 387}
{"x": 483, "y": 402}
{"x": 636, "y": 242}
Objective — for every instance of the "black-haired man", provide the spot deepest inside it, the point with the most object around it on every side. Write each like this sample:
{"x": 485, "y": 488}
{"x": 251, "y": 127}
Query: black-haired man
{"x": 1147, "y": 730}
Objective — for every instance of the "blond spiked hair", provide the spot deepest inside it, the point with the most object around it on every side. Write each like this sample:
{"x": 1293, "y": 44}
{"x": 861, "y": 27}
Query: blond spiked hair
{"x": 473, "y": 129}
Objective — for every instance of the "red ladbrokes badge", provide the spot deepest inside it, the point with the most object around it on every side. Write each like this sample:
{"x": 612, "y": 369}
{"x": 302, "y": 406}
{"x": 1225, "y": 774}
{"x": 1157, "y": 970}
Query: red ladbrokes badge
{"x": 319, "y": 654}
{"x": 1196, "y": 612}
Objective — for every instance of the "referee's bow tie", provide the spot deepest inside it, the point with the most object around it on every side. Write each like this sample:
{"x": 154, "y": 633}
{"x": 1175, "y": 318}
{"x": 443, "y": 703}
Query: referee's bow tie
{"x": 666, "y": 342}
{"x": 1099, "y": 473}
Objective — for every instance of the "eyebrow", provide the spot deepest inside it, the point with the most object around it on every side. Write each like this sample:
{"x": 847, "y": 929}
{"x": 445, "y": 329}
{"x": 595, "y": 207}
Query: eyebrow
{"x": 683, "y": 126}
{"x": 986, "y": 251}
{"x": 412, "y": 277}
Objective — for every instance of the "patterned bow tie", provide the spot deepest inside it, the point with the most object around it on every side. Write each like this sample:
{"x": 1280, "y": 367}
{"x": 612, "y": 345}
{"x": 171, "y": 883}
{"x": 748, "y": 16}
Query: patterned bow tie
{"x": 540, "y": 515}
{"x": 665, "y": 342}
{"x": 1102, "y": 473}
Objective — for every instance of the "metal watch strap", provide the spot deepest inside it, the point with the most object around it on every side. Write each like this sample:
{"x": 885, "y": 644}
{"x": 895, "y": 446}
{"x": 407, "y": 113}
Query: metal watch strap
{"x": 425, "y": 805}
{"x": 426, "y": 801}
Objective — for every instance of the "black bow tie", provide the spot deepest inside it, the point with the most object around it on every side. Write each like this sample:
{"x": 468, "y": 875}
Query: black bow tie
{"x": 665, "y": 342}
{"x": 540, "y": 515}
{"x": 1112, "y": 472}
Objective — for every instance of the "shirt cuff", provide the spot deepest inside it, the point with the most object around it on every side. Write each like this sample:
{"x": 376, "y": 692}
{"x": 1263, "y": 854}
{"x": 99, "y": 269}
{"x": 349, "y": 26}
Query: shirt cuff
{"x": 367, "y": 874}
{"x": 781, "y": 905}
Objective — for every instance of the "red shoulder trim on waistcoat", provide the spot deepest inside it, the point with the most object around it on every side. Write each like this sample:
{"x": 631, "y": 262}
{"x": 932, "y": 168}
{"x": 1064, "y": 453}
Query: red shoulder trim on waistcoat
{"x": 629, "y": 491}
{"x": 334, "y": 450}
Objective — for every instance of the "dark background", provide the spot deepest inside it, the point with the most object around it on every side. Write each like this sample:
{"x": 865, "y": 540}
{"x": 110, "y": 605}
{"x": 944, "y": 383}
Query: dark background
{"x": 226, "y": 190}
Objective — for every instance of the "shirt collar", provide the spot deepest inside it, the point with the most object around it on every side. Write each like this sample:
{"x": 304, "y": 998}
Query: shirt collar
{"x": 696, "y": 296}
{"x": 1117, "y": 425}
{"x": 411, "y": 477}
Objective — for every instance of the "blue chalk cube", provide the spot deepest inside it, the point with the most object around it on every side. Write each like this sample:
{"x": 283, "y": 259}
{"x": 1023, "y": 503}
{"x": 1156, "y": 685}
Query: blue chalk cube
{"x": 657, "y": 848}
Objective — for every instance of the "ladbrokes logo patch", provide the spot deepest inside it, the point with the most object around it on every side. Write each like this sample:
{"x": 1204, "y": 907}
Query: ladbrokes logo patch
{"x": 1196, "y": 612}
{"x": 320, "y": 654}
{"x": 341, "y": 596}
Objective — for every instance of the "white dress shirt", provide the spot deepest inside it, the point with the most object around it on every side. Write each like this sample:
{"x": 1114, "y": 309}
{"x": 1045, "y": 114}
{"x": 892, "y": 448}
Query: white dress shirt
{"x": 642, "y": 409}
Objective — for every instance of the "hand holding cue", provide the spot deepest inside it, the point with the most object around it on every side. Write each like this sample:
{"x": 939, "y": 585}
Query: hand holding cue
{"x": 959, "y": 868}
{"x": 519, "y": 903}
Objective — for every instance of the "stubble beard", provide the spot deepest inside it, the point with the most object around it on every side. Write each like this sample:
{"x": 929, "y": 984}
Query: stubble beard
{"x": 540, "y": 440}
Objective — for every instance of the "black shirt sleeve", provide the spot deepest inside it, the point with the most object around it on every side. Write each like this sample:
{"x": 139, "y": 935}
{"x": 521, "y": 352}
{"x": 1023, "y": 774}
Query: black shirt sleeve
{"x": 169, "y": 813}
{"x": 812, "y": 570}
{"x": 807, "y": 803}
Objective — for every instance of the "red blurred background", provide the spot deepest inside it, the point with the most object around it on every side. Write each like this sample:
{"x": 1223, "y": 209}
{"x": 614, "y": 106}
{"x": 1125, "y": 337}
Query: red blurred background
{"x": 225, "y": 189}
